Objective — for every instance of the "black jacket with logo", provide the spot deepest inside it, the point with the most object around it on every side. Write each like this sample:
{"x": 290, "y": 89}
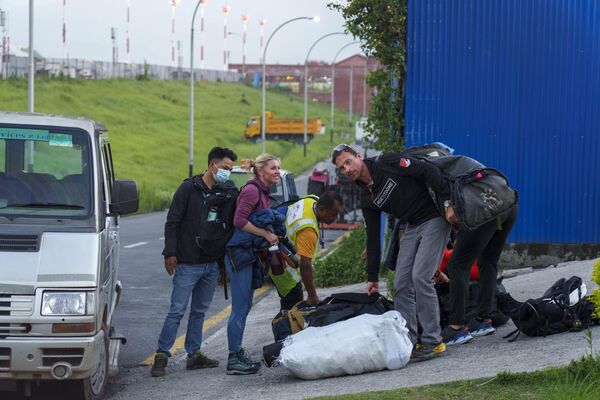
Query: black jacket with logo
{"x": 404, "y": 194}
{"x": 183, "y": 223}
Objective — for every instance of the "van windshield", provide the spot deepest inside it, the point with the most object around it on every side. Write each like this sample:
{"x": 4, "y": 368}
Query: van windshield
{"x": 44, "y": 172}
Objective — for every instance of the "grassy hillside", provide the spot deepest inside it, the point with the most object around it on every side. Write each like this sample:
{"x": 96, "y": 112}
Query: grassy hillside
{"x": 148, "y": 123}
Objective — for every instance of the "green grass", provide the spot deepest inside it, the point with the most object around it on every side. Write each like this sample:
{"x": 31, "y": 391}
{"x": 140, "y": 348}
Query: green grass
{"x": 344, "y": 265}
{"x": 148, "y": 123}
{"x": 580, "y": 380}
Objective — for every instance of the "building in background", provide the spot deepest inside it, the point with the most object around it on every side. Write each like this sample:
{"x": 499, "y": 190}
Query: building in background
{"x": 290, "y": 78}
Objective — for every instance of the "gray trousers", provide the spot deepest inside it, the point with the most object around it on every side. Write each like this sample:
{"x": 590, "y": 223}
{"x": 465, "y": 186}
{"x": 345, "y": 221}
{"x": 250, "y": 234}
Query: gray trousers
{"x": 421, "y": 250}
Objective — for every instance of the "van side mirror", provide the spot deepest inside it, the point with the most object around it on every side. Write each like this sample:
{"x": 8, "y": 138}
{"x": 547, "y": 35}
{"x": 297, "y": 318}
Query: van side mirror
{"x": 125, "y": 197}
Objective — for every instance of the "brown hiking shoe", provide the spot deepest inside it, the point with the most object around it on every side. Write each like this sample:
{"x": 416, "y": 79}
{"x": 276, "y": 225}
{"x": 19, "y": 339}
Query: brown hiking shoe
{"x": 160, "y": 363}
{"x": 199, "y": 360}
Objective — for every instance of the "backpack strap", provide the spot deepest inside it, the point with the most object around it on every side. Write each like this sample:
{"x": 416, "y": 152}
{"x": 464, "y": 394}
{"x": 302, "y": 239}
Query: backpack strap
{"x": 260, "y": 192}
{"x": 511, "y": 339}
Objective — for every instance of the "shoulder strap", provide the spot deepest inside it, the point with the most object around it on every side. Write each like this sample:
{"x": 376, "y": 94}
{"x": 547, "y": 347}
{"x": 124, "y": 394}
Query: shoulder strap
{"x": 260, "y": 192}
{"x": 512, "y": 336}
{"x": 388, "y": 167}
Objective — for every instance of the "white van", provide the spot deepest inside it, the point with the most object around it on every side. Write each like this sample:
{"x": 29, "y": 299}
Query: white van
{"x": 59, "y": 242}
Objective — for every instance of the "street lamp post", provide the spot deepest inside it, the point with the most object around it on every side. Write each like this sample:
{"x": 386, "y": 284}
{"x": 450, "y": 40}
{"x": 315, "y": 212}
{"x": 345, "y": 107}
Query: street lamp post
{"x": 306, "y": 85}
{"x": 245, "y": 19}
{"x": 30, "y": 88}
{"x": 191, "y": 165}
{"x": 333, "y": 88}
{"x": 264, "y": 77}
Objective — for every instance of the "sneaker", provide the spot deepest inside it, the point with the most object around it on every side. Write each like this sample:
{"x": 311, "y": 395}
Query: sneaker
{"x": 452, "y": 336}
{"x": 481, "y": 327}
{"x": 160, "y": 363}
{"x": 426, "y": 351}
{"x": 240, "y": 363}
{"x": 199, "y": 360}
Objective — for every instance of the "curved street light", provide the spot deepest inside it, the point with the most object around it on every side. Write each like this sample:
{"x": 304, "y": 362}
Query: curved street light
{"x": 306, "y": 84}
{"x": 264, "y": 76}
{"x": 333, "y": 87}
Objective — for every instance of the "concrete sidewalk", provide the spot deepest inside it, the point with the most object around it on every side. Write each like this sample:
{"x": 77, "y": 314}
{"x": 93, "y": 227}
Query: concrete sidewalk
{"x": 483, "y": 357}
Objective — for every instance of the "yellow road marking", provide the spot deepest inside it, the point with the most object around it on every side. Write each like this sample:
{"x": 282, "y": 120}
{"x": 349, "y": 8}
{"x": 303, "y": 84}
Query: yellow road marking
{"x": 208, "y": 324}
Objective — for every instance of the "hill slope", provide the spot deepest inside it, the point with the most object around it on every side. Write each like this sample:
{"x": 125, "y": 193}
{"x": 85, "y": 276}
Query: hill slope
{"x": 148, "y": 123}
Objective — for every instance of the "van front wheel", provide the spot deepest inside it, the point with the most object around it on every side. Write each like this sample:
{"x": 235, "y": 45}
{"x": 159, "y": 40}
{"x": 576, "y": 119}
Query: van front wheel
{"x": 94, "y": 386}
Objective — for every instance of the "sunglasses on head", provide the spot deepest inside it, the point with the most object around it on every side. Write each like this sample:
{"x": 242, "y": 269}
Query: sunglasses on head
{"x": 340, "y": 148}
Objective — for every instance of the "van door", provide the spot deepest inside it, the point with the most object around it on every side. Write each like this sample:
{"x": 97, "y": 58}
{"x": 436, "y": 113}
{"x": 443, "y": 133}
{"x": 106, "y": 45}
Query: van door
{"x": 109, "y": 235}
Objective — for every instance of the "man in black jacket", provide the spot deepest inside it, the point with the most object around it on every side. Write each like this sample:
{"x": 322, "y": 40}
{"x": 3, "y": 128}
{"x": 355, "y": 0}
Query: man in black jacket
{"x": 400, "y": 186}
{"x": 195, "y": 269}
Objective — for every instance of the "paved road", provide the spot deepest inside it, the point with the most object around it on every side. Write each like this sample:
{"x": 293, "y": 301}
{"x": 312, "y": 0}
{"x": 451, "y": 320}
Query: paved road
{"x": 484, "y": 357}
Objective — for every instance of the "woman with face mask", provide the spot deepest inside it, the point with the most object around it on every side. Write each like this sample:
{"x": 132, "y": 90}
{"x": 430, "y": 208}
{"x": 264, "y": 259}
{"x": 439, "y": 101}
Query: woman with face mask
{"x": 254, "y": 196}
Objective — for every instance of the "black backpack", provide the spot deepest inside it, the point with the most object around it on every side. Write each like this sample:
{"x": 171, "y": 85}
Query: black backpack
{"x": 472, "y": 305}
{"x": 217, "y": 214}
{"x": 552, "y": 313}
{"x": 478, "y": 194}
{"x": 335, "y": 308}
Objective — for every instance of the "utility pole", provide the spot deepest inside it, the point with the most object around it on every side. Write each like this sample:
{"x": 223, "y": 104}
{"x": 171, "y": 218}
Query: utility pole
{"x": 115, "y": 49}
{"x": 350, "y": 99}
{"x": 128, "y": 59}
{"x": 5, "y": 52}
{"x": 31, "y": 60}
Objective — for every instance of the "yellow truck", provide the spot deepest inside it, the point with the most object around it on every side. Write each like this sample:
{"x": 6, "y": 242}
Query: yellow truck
{"x": 286, "y": 129}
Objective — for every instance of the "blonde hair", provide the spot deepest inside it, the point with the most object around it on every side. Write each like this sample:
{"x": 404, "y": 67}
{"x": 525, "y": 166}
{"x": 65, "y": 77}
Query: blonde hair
{"x": 258, "y": 163}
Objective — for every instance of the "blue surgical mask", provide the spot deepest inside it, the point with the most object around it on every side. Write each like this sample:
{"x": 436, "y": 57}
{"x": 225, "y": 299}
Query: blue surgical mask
{"x": 222, "y": 175}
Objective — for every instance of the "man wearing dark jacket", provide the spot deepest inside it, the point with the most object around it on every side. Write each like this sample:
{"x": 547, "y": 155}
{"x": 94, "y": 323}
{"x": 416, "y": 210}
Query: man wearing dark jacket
{"x": 400, "y": 186}
{"x": 195, "y": 269}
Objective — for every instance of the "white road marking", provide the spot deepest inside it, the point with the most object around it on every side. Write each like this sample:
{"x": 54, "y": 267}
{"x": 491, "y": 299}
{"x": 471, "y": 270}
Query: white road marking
{"x": 131, "y": 246}
{"x": 161, "y": 238}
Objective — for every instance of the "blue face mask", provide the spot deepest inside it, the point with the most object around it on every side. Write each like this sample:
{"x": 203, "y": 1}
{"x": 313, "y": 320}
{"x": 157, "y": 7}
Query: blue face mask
{"x": 222, "y": 175}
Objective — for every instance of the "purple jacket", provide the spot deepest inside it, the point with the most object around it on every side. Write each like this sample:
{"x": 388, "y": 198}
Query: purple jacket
{"x": 249, "y": 201}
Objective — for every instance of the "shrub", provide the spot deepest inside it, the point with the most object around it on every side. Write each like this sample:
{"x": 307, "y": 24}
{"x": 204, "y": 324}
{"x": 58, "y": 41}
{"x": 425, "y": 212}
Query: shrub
{"x": 345, "y": 265}
{"x": 595, "y": 297}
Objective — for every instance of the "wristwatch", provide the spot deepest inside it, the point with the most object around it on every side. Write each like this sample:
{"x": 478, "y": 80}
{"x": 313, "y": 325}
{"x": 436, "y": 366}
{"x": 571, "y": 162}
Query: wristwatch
{"x": 447, "y": 204}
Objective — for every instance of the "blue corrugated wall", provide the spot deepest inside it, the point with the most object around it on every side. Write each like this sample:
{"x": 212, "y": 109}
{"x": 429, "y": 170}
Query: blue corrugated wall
{"x": 516, "y": 85}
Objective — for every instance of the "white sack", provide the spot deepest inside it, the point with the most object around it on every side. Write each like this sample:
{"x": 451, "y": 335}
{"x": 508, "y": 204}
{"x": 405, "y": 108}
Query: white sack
{"x": 360, "y": 344}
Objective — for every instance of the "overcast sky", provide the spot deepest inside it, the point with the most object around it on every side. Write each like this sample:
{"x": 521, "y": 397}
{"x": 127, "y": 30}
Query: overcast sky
{"x": 89, "y": 23}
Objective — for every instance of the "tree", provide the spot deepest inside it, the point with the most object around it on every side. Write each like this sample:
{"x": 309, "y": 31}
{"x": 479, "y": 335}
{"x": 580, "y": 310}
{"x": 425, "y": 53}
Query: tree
{"x": 381, "y": 27}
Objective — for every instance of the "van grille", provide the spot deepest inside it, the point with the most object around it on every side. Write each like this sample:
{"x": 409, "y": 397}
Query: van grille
{"x": 14, "y": 242}
{"x": 13, "y": 329}
{"x": 4, "y": 359}
{"x": 16, "y": 305}
{"x": 71, "y": 356}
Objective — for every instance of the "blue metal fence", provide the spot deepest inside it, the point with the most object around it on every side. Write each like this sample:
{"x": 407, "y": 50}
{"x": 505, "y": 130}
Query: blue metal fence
{"x": 516, "y": 85}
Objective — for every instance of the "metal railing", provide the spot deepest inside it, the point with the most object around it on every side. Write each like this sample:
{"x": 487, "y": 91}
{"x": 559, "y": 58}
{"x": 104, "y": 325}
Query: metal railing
{"x": 17, "y": 67}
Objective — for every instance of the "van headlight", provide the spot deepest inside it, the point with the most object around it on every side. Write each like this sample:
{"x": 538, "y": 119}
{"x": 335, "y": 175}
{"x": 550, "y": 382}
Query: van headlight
{"x": 68, "y": 303}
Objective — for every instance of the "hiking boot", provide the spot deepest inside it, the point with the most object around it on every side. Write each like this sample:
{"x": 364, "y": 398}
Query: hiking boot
{"x": 199, "y": 360}
{"x": 452, "y": 336}
{"x": 481, "y": 327}
{"x": 426, "y": 351}
{"x": 240, "y": 363}
{"x": 160, "y": 363}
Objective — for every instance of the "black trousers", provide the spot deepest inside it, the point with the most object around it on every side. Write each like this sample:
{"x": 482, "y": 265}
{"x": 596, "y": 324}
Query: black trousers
{"x": 485, "y": 245}
{"x": 294, "y": 296}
